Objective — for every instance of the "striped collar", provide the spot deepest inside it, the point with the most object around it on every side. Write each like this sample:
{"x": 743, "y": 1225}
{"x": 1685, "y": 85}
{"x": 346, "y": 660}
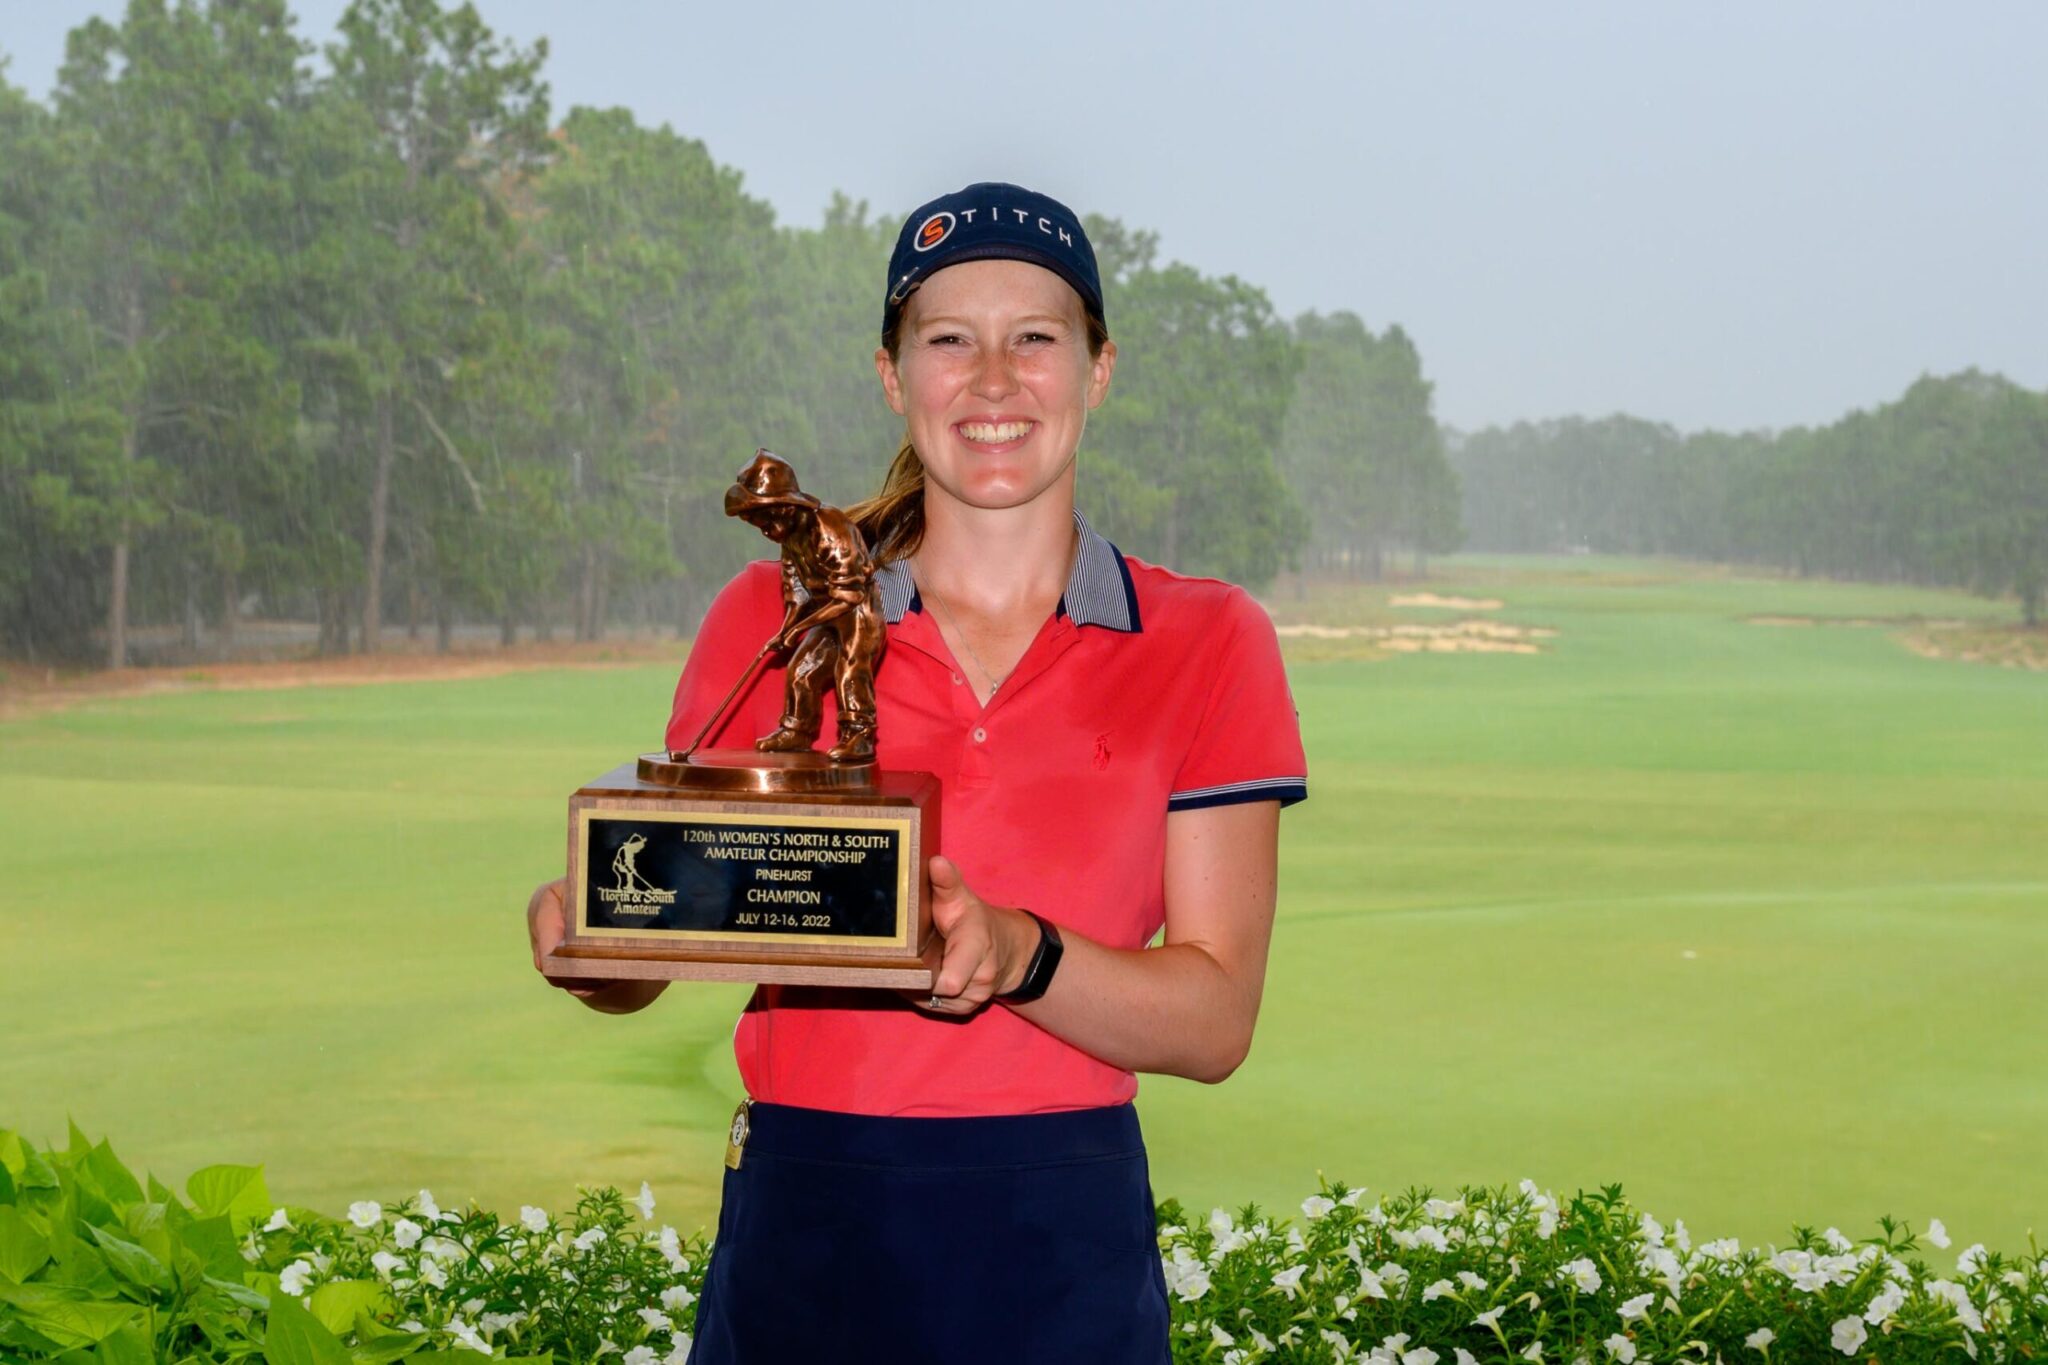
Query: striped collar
{"x": 1099, "y": 591}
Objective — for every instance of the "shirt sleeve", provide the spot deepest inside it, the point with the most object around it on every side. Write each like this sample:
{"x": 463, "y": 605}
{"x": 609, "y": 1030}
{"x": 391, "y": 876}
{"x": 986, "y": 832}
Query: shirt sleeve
{"x": 1246, "y": 739}
{"x": 741, "y": 618}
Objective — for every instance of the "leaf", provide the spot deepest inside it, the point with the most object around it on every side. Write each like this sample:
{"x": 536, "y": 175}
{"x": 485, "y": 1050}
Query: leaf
{"x": 127, "y": 1346}
{"x": 296, "y": 1337}
{"x": 377, "y": 1344}
{"x": 130, "y": 1262}
{"x": 237, "y": 1191}
{"x": 337, "y": 1302}
{"x": 161, "y": 1194}
{"x": 6, "y": 1186}
{"x": 79, "y": 1265}
{"x": 65, "y": 1317}
{"x": 12, "y": 1151}
{"x": 240, "y": 1294}
{"x": 23, "y": 1249}
{"x": 115, "y": 1180}
{"x": 213, "y": 1240}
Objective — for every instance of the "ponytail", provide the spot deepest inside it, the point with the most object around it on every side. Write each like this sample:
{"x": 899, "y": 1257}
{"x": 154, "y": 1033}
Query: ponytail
{"x": 893, "y": 519}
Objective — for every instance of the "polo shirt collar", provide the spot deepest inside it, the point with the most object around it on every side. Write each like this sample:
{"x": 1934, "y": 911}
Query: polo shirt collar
{"x": 1098, "y": 592}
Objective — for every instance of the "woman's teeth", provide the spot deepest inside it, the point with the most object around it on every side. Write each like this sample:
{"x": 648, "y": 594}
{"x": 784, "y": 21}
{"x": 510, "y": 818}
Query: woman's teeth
{"x": 995, "y": 433}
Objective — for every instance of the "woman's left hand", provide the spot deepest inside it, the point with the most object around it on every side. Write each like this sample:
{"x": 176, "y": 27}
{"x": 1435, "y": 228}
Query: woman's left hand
{"x": 982, "y": 949}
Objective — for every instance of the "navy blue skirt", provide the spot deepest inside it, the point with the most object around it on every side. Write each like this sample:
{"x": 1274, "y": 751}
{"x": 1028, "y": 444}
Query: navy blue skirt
{"x": 846, "y": 1237}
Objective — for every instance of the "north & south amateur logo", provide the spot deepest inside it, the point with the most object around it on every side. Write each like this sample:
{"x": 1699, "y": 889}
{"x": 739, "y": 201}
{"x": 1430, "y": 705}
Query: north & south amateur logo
{"x": 633, "y": 894}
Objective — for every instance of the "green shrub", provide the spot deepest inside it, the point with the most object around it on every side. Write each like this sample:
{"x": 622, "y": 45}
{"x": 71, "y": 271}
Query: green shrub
{"x": 100, "y": 1269}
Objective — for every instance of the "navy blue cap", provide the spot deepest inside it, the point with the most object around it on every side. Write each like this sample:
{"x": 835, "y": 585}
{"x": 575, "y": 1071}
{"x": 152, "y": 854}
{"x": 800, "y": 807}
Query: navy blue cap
{"x": 991, "y": 221}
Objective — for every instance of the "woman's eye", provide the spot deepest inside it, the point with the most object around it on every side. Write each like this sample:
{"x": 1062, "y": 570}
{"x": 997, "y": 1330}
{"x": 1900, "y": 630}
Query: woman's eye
{"x": 946, "y": 339}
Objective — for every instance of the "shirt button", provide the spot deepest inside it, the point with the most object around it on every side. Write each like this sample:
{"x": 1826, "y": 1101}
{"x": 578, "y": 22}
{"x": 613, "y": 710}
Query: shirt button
{"x": 979, "y": 734}
{"x": 956, "y": 680}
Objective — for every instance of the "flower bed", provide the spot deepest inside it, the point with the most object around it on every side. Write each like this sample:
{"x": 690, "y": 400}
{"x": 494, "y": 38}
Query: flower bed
{"x": 98, "y": 1267}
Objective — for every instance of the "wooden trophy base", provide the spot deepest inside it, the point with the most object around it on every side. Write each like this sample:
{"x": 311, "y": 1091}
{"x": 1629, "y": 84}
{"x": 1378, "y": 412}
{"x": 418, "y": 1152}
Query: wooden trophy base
{"x": 735, "y": 865}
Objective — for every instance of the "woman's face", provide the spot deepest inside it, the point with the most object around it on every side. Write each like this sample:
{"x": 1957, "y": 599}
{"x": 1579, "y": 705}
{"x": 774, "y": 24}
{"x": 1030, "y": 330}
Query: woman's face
{"x": 994, "y": 380}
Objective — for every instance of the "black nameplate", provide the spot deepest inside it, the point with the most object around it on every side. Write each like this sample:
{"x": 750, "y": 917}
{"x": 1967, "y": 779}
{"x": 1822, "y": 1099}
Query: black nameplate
{"x": 710, "y": 876}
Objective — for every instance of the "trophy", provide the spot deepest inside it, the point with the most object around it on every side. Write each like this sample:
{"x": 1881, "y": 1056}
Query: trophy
{"x": 779, "y": 862}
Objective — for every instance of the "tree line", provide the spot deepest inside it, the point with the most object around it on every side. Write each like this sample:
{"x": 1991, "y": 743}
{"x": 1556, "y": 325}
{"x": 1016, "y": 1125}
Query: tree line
{"x": 1947, "y": 485}
{"x": 363, "y": 334}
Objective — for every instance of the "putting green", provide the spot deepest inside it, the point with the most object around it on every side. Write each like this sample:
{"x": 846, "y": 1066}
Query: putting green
{"x": 1749, "y": 919}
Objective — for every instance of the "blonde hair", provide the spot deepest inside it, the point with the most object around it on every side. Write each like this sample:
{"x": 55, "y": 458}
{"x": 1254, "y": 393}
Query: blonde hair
{"x": 893, "y": 519}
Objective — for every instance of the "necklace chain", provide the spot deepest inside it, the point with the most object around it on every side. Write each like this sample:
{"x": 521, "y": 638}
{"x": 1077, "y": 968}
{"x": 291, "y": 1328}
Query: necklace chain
{"x": 947, "y": 617}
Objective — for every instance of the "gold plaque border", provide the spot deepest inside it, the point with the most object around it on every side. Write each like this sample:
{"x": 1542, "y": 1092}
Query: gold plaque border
{"x": 901, "y": 824}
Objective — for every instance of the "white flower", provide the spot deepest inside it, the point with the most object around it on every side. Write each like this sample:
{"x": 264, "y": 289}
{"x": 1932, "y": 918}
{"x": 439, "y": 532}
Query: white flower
{"x": 645, "y": 1203}
{"x": 292, "y": 1279}
{"x": 443, "y": 1249}
{"x": 1583, "y": 1273}
{"x": 1958, "y": 1298}
{"x": 385, "y": 1263}
{"x": 678, "y": 1354}
{"x": 429, "y": 1210}
{"x": 589, "y": 1238}
{"x": 1621, "y": 1348}
{"x": 465, "y": 1335}
{"x": 1369, "y": 1286}
{"x": 1289, "y": 1280}
{"x": 1470, "y": 1281}
{"x": 1937, "y": 1234}
{"x": 366, "y": 1213}
{"x": 1491, "y": 1317}
{"x": 1760, "y": 1338}
{"x": 278, "y": 1222}
{"x": 1221, "y": 1337}
{"x": 1535, "y": 1351}
{"x": 1834, "y": 1238}
{"x": 1971, "y": 1260}
{"x": 655, "y": 1319}
{"x": 1636, "y": 1307}
{"x": 406, "y": 1233}
{"x": 672, "y": 1250}
{"x": 640, "y": 1355}
{"x": 1421, "y": 1355}
{"x": 1220, "y": 1222}
{"x": 676, "y": 1298}
{"x": 1438, "y": 1289}
{"x": 1393, "y": 1274}
{"x": 535, "y": 1220}
{"x": 1192, "y": 1282}
{"x": 1352, "y": 1197}
{"x": 1340, "y": 1349}
{"x": 412, "y": 1325}
{"x": 1849, "y": 1335}
{"x": 431, "y": 1272}
{"x": 1443, "y": 1208}
{"x": 493, "y": 1323}
{"x": 605, "y": 1346}
{"x": 1465, "y": 1357}
{"x": 1886, "y": 1303}
{"x": 1546, "y": 1224}
{"x": 1315, "y": 1206}
{"x": 1653, "y": 1231}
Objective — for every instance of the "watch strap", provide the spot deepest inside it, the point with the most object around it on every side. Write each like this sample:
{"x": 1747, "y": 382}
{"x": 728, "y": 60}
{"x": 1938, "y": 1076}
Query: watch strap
{"x": 1044, "y": 962}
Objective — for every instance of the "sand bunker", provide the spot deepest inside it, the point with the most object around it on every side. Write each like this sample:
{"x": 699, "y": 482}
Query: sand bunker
{"x": 1430, "y": 599}
{"x": 1850, "y": 621}
{"x": 1462, "y": 637}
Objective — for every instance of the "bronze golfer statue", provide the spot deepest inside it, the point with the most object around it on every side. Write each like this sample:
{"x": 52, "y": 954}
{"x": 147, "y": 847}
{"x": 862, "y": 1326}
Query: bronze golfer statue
{"x": 832, "y": 610}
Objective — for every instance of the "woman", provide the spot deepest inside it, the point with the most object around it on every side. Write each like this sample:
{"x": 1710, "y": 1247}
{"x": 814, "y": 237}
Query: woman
{"x": 963, "y": 1171}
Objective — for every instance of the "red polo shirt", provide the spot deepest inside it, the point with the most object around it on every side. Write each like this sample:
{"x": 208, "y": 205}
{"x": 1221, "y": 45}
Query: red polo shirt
{"x": 1146, "y": 691}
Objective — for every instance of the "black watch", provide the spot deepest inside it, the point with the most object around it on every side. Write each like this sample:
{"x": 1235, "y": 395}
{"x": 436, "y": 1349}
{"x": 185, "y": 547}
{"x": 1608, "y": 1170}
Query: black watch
{"x": 1044, "y": 963}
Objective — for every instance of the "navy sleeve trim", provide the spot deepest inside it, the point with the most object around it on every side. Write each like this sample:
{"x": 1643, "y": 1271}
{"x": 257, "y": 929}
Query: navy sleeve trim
{"x": 1285, "y": 790}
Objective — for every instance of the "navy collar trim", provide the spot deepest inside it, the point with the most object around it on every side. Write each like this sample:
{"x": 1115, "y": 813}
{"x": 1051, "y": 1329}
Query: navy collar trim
{"x": 1099, "y": 590}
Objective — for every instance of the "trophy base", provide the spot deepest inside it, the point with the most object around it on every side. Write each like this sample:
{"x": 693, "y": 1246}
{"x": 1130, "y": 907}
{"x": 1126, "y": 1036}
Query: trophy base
{"x": 733, "y": 865}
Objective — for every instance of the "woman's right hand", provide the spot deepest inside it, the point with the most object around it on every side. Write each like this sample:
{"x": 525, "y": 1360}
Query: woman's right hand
{"x": 547, "y": 924}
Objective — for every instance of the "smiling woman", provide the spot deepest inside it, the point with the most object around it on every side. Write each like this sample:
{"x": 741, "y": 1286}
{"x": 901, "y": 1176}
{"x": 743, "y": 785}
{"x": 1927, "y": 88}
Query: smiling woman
{"x": 964, "y": 1170}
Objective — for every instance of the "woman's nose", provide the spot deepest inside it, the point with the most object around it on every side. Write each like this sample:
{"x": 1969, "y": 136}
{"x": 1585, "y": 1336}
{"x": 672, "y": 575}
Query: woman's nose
{"x": 995, "y": 377}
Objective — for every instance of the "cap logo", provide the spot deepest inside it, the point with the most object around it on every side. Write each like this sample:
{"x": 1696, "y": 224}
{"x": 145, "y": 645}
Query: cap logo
{"x": 934, "y": 230}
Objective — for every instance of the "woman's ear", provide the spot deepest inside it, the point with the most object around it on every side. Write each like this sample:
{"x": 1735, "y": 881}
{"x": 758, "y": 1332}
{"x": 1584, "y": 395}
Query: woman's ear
{"x": 892, "y": 382}
{"x": 1102, "y": 367}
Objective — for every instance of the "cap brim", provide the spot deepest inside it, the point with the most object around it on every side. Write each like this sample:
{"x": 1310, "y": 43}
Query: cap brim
{"x": 1005, "y": 251}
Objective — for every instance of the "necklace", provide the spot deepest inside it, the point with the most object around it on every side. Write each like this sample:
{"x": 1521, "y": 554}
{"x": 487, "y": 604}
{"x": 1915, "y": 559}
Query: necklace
{"x": 947, "y": 618}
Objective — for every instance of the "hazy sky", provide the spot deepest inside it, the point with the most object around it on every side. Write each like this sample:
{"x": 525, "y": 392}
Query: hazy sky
{"x": 1728, "y": 214}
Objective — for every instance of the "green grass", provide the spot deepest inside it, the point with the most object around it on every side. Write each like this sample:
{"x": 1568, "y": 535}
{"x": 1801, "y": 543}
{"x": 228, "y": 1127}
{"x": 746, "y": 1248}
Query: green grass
{"x": 1748, "y": 919}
